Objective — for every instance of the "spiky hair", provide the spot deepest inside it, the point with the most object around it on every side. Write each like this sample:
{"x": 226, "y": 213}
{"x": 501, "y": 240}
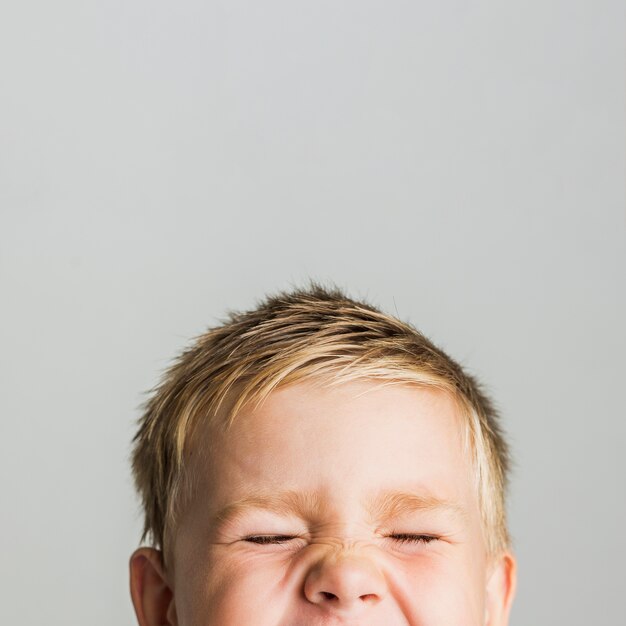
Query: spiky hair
{"x": 311, "y": 333}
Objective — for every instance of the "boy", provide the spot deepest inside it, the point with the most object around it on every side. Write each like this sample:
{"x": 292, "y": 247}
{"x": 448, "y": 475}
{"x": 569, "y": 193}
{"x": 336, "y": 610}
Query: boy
{"x": 315, "y": 462}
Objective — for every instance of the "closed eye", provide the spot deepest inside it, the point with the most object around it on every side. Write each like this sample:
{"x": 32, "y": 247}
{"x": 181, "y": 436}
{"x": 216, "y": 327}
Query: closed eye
{"x": 278, "y": 539}
{"x": 410, "y": 538}
{"x": 269, "y": 539}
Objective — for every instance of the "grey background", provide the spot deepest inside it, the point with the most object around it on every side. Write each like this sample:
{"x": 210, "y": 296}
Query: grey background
{"x": 460, "y": 164}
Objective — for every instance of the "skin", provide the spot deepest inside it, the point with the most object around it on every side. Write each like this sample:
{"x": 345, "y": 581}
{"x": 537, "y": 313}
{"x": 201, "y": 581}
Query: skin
{"x": 328, "y": 553}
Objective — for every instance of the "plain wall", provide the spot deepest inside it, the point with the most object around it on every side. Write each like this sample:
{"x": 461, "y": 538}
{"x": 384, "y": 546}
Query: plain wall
{"x": 459, "y": 164}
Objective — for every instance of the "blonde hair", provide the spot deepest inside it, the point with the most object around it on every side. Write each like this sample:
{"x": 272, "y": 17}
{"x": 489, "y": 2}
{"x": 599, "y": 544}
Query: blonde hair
{"x": 313, "y": 333}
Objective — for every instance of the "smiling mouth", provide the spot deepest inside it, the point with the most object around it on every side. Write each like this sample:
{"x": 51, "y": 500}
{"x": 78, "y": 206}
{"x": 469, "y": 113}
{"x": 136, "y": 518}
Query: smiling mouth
{"x": 339, "y": 621}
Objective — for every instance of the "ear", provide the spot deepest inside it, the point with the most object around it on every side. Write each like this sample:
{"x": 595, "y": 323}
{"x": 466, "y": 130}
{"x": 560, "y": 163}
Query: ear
{"x": 152, "y": 595}
{"x": 501, "y": 584}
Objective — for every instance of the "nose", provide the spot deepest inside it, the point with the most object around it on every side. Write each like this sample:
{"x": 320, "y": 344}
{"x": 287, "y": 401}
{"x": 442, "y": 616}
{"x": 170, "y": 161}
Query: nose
{"x": 345, "y": 583}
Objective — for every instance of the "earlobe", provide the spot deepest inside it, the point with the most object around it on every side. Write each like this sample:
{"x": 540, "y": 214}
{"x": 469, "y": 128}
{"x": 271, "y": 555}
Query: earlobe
{"x": 152, "y": 596}
{"x": 501, "y": 590}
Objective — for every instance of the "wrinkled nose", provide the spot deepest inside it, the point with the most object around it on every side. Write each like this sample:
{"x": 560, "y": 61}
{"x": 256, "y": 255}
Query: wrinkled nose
{"x": 346, "y": 584}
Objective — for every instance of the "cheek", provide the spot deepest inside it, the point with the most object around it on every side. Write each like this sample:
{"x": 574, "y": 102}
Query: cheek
{"x": 225, "y": 587}
{"x": 438, "y": 591}
{"x": 246, "y": 588}
{"x": 228, "y": 590}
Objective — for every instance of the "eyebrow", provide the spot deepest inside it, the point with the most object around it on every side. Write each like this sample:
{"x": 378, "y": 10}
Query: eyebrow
{"x": 392, "y": 504}
{"x": 383, "y": 506}
{"x": 289, "y": 502}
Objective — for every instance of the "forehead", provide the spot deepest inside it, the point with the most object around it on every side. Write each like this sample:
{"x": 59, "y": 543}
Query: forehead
{"x": 339, "y": 444}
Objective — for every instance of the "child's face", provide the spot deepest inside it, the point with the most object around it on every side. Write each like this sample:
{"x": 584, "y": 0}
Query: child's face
{"x": 338, "y": 506}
